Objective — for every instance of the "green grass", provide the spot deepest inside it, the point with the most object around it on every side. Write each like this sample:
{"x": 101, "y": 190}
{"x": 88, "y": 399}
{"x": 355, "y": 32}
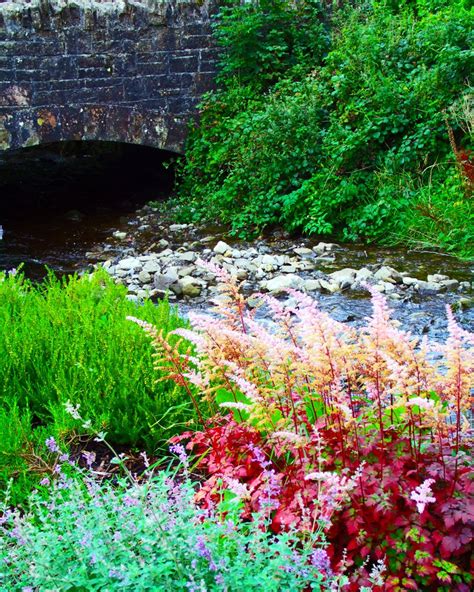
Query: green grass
{"x": 69, "y": 340}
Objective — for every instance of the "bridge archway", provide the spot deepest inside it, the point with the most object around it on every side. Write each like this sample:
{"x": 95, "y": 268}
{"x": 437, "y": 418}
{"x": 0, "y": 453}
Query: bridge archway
{"x": 104, "y": 71}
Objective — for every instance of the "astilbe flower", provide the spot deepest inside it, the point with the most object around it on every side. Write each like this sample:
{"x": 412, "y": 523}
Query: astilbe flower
{"x": 306, "y": 389}
{"x": 423, "y": 495}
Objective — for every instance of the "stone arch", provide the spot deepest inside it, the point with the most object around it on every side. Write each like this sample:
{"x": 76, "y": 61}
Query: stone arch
{"x": 122, "y": 71}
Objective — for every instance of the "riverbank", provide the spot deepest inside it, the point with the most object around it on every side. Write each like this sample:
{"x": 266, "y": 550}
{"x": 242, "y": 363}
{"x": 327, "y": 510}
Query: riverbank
{"x": 153, "y": 257}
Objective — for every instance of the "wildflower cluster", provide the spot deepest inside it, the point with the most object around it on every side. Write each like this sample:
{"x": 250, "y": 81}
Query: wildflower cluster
{"x": 365, "y": 432}
{"x": 148, "y": 535}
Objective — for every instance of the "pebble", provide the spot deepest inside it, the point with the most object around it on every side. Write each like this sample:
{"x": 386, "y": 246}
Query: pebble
{"x": 169, "y": 267}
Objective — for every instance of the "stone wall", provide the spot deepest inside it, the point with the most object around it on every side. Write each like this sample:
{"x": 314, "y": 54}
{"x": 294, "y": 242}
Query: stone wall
{"x": 89, "y": 70}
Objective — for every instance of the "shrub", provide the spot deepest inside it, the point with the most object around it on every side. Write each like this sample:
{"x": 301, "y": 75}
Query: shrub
{"x": 364, "y": 433}
{"x": 69, "y": 340}
{"x": 80, "y": 534}
{"x": 327, "y": 147}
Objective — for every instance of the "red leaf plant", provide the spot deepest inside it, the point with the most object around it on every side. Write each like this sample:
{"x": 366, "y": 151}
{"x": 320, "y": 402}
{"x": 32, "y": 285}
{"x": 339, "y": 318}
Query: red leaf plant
{"x": 362, "y": 434}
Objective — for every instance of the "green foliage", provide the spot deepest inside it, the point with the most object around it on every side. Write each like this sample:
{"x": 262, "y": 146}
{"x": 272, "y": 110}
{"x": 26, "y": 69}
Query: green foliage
{"x": 268, "y": 40}
{"x": 80, "y": 535}
{"x": 70, "y": 340}
{"x": 327, "y": 141}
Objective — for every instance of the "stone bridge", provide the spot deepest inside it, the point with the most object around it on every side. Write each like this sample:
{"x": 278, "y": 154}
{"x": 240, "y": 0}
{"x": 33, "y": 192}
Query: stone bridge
{"x": 127, "y": 71}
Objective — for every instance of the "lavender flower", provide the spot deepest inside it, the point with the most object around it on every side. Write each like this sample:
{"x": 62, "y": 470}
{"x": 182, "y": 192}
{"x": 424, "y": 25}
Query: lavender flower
{"x": 51, "y": 445}
{"x": 320, "y": 560}
{"x": 180, "y": 452}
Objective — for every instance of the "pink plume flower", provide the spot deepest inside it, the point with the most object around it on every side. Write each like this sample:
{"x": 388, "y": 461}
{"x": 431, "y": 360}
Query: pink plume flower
{"x": 423, "y": 495}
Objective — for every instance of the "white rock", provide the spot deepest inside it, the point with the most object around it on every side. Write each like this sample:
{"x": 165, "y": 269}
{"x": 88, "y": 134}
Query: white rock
{"x": 388, "y": 274}
{"x": 385, "y": 287}
{"x": 189, "y": 256}
{"x": 177, "y": 227}
{"x": 288, "y": 268}
{"x": 344, "y": 277}
{"x": 165, "y": 253}
{"x": 306, "y": 265}
{"x": 129, "y": 263}
{"x": 144, "y": 277}
{"x": 329, "y": 286}
{"x": 312, "y": 285}
{"x": 163, "y": 281}
{"x": 163, "y": 243}
{"x": 152, "y": 266}
{"x": 449, "y": 284}
{"x": 363, "y": 275}
{"x": 303, "y": 251}
{"x": 270, "y": 260}
{"x": 188, "y": 270}
{"x": 324, "y": 247}
{"x": 438, "y": 277}
{"x": 189, "y": 286}
{"x": 119, "y": 234}
{"x": 221, "y": 248}
{"x": 422, "y": 286}
{"x": 410, "y": 281}
{"x": 281, "y": 282}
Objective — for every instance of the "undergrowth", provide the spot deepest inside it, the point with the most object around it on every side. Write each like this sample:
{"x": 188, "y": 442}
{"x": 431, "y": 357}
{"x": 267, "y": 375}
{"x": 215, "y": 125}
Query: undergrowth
{"x": 354, "y": 121}
{"x": 363, "y": 433}
{"x": 68, "y": 340}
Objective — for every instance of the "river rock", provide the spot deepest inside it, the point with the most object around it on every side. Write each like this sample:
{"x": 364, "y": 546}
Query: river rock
{"x": 303, "y": 251}
{"x": 329, "y": 286}
{"x": 188, "y": 270}
{"x": 129, "y": 263}
{"x": 163, "y": 281}
{"x": 344, "y": 277}
{"x": 152, "y": 266}
{"x": 280, "y": 283}
{"x": 437, "y": 278}
{"x": 428, "y": 287}
{"x": 388, "y": 274}
{"x": 188, "y": 286}
{"x": 312, "y": 285}
{"x": 324, "y": 248}
{"x": 188, "y": 256}
{"x": 222, "y": 248}
{"x": 271, "y": 261}
{"x": 144, "y": 277}
{"x": 177, "y": 227}
{"x": 449, "y": 284}
{"x": 363, "y": 275}
{"x": 119, "y": 235}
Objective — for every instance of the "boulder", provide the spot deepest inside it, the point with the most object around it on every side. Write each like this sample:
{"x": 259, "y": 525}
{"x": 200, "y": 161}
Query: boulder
{"x": 344, "y": 277}
{"x": 163, "y": 281}
{"x": 437, "y": 277}
{"x": 144, "y": 277}
{"x": 280, "y": 283}
{"x": 303, "y": 251}
{"x": 151, "y": 266}
{"x": 329, "y": 286}
{"x": 312, "y": 285}
{"x": 188, "y": 256}
{"x": 363, "y": 275}
{"x": 129, "y": 263}
{"x": 324, "y": 248}
{"x": 221, "y": 248}
{"x": 188, "y": 286}
{"x": 388, "y": 274}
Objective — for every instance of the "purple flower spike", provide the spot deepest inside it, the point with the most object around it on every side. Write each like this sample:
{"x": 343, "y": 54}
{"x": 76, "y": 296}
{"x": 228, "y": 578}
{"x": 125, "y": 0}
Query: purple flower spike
{"x": 51, "y": 445}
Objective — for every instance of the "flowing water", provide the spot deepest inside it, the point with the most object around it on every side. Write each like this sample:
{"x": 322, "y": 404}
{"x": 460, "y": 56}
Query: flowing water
{"x": 58, "y": 201}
